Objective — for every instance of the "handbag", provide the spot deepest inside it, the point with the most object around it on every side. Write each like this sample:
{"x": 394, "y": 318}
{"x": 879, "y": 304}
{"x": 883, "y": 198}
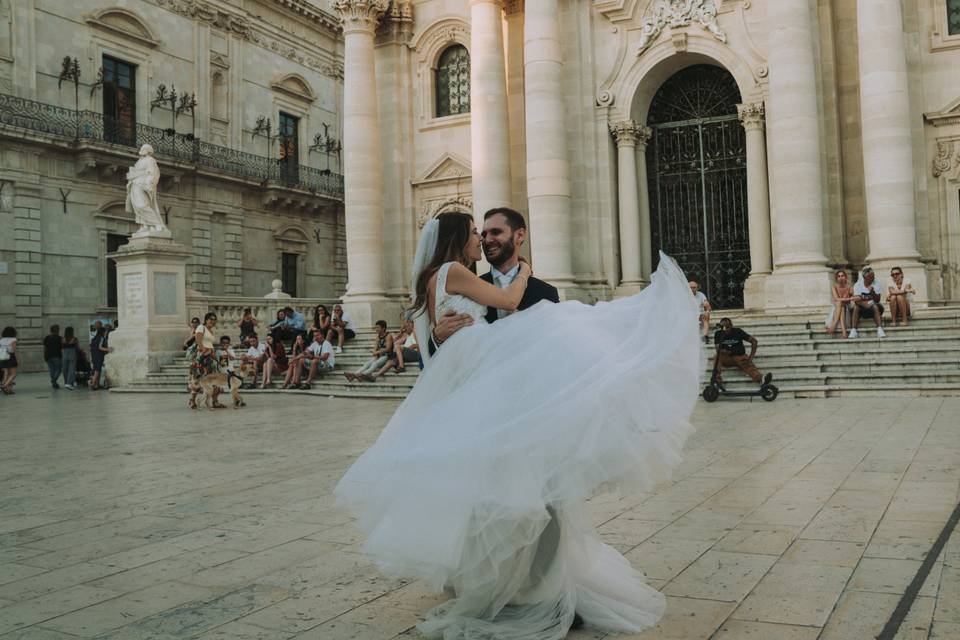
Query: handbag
{"x": 4, "y": 354}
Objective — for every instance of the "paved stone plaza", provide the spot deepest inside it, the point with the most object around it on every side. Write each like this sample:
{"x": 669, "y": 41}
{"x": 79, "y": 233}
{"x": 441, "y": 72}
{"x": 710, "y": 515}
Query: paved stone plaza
{"x": 128, "y": 516}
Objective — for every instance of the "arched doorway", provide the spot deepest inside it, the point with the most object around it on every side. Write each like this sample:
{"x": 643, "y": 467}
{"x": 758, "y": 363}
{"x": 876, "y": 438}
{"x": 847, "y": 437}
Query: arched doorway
{"x": 697, "y": 178}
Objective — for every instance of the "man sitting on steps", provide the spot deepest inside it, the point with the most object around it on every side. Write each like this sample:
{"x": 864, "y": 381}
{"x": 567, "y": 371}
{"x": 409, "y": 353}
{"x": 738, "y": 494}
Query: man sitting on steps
{"x": 866, "y": 293}
{"x": 731, "y": 353}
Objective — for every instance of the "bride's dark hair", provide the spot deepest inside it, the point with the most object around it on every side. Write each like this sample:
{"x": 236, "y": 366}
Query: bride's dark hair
{"x": 452, "y": 235}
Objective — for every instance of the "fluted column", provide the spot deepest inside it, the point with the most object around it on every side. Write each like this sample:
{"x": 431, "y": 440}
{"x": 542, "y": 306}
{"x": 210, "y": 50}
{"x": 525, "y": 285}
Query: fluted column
{"x": 758, "y": 197}
{"x": 489, "y": 130}
{"x": 548, "y": 165}
{"x": 885, "y": 131}
{"x": 361, "y": 144}
{"x": 634, "y": 260}
{"x": 363, "y": 179}
{"x": 800, "y": 277}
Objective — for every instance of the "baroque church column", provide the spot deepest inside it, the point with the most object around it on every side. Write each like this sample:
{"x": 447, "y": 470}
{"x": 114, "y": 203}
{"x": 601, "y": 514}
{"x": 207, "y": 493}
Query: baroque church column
{"x": 489, "y": 130}
{"x": 363, "y": 179}
{"x": 548, "y": 165}
{"x": 885, "y": 132}
{"x": 758, "y": 203}
{"x": 800, "y": 277}
{"x": 634, "y": 209}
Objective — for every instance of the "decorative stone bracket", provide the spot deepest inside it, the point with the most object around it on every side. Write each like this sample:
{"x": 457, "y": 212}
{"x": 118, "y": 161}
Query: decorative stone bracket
{"x": 677, "y": 14}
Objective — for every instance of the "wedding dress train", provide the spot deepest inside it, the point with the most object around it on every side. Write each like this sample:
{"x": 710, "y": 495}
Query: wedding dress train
{"x": 478, "y": 482}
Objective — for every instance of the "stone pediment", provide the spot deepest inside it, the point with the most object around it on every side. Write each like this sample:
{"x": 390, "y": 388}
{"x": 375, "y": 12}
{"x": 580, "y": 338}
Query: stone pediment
{"x": 125, "y": 23}
{"x": 296, "y": 86}
{"x": 448, "y": 167}
{"x": 616, "y": 10}
{"x": 949, "y": 115}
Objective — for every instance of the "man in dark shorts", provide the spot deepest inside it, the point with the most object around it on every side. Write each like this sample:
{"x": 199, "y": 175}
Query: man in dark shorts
{"x": 731, "y": 352}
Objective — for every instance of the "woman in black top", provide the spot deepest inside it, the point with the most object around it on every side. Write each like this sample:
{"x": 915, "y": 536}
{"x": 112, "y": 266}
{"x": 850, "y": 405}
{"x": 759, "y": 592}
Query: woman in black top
{"x": 247, "y": 324}
{"x": 321, "y": 320}
{"x": 70, "y": 346}
{"x": 99, "y": 348}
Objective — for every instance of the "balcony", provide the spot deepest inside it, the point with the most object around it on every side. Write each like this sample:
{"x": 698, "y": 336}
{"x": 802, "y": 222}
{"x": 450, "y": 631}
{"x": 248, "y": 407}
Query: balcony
{"x": 89, "y": 130}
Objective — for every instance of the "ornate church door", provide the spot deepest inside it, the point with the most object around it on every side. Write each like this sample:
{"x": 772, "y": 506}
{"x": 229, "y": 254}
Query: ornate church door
{"x": 697, "y": 175}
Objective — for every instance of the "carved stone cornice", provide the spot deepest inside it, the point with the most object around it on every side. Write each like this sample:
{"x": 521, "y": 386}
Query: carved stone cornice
{"x": 677, "y": 14}
{"x": 513, "y": 6}
{"x": 397, "y": 26}
{"x": 239, "y": 26}
{"x": 630, "y": 133}
{"x": 360, "y": 15}
{"x": 751, "y": 115}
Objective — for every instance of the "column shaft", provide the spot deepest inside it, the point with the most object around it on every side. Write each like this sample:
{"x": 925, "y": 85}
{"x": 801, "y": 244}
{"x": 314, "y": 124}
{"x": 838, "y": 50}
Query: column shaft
{"x": 643, "y": 200}
{"x": 795, "y": 152}
{"x": 758, "y": 199}
{"x": 632, "y": 262}
{"x": 885, "y": 130}
{"x": 489, "y": 132}
{"x": 363, "y": 179}
{"x": 548, "y": 166}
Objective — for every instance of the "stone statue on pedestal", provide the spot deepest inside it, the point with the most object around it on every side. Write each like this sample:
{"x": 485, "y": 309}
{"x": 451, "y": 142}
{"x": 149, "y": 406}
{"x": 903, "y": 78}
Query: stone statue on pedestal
{"x": 142, "y": 182}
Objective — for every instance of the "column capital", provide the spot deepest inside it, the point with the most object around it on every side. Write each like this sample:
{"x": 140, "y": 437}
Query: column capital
{"x": 751, "y": 115}
{"x": 513, "y": 6}
{"x": 360, "y": 15}
{"x": 630, "y": 133}
{"x": 499, "y": 3}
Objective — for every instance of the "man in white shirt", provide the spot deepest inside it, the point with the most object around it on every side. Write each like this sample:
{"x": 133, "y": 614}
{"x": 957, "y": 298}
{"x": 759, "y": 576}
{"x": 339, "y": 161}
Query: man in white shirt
{"x": 319, "y": 356}
{"x": 704, "y": 309}
{"x": 256, "y": 355}
{"x": 867, "y": 293}
{"x": 342, "y": 327}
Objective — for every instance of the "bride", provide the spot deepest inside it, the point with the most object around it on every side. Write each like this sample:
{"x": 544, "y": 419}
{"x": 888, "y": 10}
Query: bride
{"x": 477, "y": 485}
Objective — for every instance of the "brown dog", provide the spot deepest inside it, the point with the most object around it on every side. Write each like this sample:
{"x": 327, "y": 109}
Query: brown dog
{"x": 212, "y": 385}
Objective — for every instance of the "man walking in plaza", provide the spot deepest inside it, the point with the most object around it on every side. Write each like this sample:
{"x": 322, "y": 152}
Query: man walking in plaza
{"x": 731, "y": 352}
{"x": 53, "y": 354}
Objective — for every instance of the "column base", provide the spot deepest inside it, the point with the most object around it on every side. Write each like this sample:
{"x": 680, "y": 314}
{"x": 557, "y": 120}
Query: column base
{"x": 754, "y": 291}
{"x": 797, "y": 287}
{"x": 365, "y": 309}
{"x": 913, "y": 271}
{"x": 627, "y": 289}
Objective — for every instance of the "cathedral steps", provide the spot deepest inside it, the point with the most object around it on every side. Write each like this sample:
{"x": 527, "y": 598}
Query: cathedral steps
{"x": 921, "y": 359}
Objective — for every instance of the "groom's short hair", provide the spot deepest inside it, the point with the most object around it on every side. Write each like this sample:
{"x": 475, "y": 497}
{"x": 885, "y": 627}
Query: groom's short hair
{"x": 514, "y": 219}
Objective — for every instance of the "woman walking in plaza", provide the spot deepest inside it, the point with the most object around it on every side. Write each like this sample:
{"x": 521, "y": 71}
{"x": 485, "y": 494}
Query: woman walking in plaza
{"x": 70, "y": 346}
{"x": 8, "y": 359}
{"x": 206, "y": 342}
{"x": 478, "y": 483}
{"x": 99, "y": 348}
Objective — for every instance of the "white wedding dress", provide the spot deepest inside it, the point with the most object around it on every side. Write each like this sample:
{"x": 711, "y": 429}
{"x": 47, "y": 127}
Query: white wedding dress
{"x": 478, "y": 482}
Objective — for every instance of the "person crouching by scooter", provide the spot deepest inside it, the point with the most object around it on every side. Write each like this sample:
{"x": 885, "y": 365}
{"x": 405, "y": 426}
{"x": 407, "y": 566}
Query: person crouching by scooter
{"x": 731, "y": 352}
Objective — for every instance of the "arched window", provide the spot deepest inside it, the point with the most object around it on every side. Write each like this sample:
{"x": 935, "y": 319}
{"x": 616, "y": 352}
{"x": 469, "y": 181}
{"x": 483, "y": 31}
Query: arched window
{"x": 453, "y": 81}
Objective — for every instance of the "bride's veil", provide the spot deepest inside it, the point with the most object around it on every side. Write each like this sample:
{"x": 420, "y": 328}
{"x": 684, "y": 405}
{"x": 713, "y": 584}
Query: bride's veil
{"x": 425, "y": 251}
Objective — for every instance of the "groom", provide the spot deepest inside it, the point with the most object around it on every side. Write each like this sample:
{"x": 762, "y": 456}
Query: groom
{"x": 504, "y": 231}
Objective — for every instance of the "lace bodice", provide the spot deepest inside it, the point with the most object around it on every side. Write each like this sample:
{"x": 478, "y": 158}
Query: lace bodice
{"x": 455, "y": 302}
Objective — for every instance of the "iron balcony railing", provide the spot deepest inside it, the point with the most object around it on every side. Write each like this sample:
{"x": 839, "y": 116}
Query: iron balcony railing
{"x": 80, "y": 126}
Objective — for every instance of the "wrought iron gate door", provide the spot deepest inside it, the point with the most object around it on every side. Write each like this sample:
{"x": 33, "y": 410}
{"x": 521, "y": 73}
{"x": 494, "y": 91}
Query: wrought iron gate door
{"x": 698, "y": 185}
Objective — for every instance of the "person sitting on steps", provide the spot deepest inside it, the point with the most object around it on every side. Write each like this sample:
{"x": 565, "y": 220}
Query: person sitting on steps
{"x": 731, "y": 353}
{"x": 867, "y": 293}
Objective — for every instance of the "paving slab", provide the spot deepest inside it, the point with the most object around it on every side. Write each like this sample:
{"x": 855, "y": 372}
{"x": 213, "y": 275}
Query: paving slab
{"x": 129, "y": 516}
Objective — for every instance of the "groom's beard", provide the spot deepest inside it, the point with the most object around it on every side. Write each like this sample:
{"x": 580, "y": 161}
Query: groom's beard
{"x": 507, "y": 249}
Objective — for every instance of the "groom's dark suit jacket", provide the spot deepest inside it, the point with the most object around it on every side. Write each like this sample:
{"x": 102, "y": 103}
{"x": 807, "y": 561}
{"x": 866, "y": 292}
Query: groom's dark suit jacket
{"x": 537, "y": 290}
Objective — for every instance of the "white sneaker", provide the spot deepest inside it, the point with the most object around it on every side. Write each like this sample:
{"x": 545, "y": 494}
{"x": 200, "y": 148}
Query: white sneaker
{"x": 338, "y": 350}
{"x": 854, "y": 334}
{"x": 69, "y": 386}
{"x": 881, "y": 333}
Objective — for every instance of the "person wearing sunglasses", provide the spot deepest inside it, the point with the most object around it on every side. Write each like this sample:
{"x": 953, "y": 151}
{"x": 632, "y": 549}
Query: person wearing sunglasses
{"x": 899, "y": 295}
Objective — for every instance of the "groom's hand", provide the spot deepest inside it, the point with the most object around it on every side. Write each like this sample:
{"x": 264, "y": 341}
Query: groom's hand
{"x": 450, "y": 323}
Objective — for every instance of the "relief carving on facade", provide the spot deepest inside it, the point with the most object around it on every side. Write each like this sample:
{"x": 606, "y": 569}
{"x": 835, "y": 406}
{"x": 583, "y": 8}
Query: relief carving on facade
{"x": 432, "y": 208}
{"x": 241, "y": 27}
{"x": 360, "y": 15}
{"x": 943, "y": 163}
{"x": 679, "y": 13}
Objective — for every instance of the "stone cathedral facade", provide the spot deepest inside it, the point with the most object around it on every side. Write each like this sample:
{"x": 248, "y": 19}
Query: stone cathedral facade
{"x": 762, "y": 143}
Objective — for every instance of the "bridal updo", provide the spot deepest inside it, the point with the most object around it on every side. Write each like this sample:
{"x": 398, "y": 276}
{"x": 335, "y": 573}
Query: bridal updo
{"x": 454, "y": 232}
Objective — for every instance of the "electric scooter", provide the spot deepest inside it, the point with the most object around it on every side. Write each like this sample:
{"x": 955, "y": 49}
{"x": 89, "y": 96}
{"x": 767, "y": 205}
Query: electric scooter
{"x": 716, "y": 389}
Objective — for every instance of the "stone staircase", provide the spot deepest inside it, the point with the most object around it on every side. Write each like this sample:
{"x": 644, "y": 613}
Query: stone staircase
{"x": 922, "y": 359}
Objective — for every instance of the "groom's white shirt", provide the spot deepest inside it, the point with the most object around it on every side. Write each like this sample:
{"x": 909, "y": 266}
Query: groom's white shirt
{"x": 504, "y": 280}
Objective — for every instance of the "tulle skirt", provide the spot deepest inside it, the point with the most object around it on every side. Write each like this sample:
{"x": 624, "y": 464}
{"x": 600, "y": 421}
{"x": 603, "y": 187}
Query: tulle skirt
{"x": 477, "y": 483}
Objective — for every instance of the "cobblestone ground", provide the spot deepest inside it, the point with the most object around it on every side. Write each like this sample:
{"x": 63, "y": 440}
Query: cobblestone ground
{"x": 128, "y": 516}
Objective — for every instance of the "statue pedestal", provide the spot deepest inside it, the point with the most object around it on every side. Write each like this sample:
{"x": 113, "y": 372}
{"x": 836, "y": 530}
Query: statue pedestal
{"x": 151, "y": 306}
